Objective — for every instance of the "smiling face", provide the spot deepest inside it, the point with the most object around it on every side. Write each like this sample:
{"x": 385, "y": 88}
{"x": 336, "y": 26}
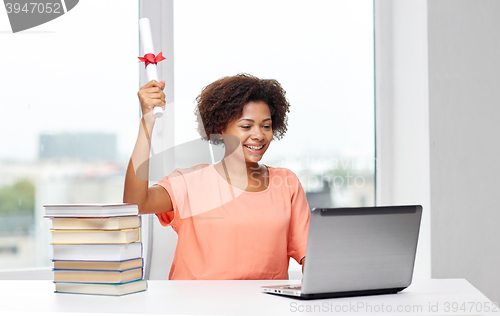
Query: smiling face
{"x": 253, "y": 129}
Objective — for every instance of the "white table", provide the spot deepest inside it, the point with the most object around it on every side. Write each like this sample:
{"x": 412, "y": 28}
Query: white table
{"x": 423, "y": 297}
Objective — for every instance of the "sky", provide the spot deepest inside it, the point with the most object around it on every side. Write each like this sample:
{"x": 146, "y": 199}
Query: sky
{"x": 79, "y": 73}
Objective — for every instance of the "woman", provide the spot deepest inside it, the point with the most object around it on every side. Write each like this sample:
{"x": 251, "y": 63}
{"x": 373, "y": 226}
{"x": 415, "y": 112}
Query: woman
{"x": 236, "y": 219}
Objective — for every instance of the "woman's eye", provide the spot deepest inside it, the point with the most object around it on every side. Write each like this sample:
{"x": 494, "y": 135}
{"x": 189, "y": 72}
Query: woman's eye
{"x": 267, "y": 126}
{"x": 245, "y": 127}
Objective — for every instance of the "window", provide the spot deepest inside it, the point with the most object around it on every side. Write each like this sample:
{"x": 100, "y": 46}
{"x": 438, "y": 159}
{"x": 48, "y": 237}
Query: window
{"x": 322, "y": 54}
{"x": 69, "y": 120}
{"x": 70, "y": 112}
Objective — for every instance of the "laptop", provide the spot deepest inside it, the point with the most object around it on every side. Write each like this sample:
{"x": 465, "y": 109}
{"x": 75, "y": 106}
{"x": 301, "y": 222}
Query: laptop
{"x": 357, "y": 251}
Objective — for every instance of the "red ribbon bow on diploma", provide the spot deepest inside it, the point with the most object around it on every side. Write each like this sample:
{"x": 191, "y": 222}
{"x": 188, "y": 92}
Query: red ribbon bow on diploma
{"x": 151, "y": 59}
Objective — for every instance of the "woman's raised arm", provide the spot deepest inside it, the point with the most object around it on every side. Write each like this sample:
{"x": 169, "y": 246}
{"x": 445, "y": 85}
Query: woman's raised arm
{"x": 137, "y": 190}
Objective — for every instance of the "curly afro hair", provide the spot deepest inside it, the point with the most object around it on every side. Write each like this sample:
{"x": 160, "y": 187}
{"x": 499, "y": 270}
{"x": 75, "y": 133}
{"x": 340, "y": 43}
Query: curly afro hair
{"x": 223, "y": 100}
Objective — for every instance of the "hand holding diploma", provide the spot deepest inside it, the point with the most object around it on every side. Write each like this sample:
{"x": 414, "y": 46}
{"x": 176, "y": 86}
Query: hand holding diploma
{"x": 151, "y": 95}
{"x": 150, "y": 61}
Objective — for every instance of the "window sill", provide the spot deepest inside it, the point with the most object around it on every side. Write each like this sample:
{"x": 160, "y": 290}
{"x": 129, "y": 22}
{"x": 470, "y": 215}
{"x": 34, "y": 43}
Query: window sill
{"x": 44, "y": 273}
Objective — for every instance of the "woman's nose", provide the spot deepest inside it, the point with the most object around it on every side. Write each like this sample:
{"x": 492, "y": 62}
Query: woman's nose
{"x": 257, "y": 134}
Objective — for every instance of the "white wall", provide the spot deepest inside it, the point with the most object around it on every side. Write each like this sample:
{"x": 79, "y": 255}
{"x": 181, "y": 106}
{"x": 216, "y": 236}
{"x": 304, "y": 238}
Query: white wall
{"x": 402, "y": 113}
{"x": 464, "y": 95}
{"x": 159, "y": 242}
{"x": 438, "y": 113}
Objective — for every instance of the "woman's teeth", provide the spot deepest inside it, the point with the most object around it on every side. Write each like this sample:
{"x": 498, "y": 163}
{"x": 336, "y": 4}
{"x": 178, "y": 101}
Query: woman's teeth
{"x": 254, "y": 147}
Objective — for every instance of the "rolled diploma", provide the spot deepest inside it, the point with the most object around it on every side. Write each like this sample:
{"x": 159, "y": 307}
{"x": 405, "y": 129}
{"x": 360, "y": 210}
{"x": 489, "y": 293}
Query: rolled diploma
{"x": 148, "y": 48}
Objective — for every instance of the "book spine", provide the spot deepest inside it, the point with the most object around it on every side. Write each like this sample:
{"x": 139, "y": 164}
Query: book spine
{"x": 79, "y": 249}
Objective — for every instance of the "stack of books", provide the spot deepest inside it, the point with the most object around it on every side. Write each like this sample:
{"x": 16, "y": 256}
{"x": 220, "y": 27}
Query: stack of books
{"x": 96, "y": 248}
